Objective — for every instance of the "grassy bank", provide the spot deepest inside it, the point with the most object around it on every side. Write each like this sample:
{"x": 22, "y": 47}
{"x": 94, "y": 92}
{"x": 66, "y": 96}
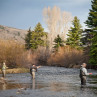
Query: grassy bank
{"x": 16, "y": 70}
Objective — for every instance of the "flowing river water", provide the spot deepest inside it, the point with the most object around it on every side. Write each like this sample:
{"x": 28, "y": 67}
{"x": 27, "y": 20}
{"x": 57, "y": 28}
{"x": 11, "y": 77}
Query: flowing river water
{"x": 49, "y": 82}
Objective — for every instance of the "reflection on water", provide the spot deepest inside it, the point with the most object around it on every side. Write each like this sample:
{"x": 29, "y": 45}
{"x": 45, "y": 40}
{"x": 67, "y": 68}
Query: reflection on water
{"x": 34, "y": 84}
{"x": 3, "y": 86}
{"x": 58, "y": 87}
{"x": 6, "y": 85}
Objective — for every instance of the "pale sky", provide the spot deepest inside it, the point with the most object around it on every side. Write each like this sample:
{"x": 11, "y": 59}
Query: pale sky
{"x": 23, "y": 14}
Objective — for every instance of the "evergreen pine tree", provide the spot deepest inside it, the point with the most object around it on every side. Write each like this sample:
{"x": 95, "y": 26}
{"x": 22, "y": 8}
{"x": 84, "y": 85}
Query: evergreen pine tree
{"x": 58, "y": 43}
{"x": 86, "y": 39}
{"x": 39, "y": 28}
{"x": 38, "y": 37}
{"x": 92, "y": 24}
{"x": 35, "y": 38}
{"x": 75, "y": 34}
{"x": 28, "y": 39}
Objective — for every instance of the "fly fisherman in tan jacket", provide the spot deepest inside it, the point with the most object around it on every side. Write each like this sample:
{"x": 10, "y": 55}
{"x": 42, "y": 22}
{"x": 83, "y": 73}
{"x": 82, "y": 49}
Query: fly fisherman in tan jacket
{"x": 4, "y": 67}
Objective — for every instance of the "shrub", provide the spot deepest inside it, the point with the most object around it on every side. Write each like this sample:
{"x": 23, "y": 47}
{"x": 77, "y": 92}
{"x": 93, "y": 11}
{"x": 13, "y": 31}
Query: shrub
{"x": 66, "y": 56}
{"x": 13, "y": 52}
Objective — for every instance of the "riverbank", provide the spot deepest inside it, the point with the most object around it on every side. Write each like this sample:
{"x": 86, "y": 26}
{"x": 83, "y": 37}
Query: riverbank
{"x": 25, "y": 70}
{"x": 74, "y": 66}
{"x": 16, "y": 70}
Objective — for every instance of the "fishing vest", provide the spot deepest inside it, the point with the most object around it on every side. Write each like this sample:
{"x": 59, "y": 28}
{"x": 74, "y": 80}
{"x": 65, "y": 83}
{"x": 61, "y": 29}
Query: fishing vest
{"x": 81, "y": 72}
{"x": 4, "y": 67}
{"x": 33, "y": 69}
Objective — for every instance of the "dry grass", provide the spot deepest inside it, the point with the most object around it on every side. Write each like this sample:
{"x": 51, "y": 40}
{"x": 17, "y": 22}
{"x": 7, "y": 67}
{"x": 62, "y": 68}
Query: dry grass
{"x": 13, "y": 52}
{"x": 9, "y": 33}
{"x": 16, "y": 70}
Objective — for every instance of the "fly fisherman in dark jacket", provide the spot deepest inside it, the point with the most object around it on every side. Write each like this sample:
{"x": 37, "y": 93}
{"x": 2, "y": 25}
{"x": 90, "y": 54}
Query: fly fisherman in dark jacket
{"x": 33, "y": 69}
{"x": 83, "y": 73}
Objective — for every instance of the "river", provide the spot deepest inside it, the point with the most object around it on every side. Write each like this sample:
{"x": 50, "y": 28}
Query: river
{"x": 49, "y": 82}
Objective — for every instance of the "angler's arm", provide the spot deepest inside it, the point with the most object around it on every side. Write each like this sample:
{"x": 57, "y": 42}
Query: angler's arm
{"x": 38, "y": 67}
{"x": 85, "y": 71}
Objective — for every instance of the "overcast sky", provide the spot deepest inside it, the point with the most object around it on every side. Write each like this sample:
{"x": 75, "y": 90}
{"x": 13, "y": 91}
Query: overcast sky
{"x": 23, "y": 14}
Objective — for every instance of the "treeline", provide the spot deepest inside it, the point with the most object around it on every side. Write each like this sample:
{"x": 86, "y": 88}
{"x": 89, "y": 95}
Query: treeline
{"x": 65, "y": 44}
{"x": 63, "y": 53}
{"x": 67, "y": 49}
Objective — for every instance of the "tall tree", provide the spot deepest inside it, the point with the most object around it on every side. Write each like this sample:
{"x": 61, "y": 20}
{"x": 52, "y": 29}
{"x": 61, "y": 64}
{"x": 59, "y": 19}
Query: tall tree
{"x": 86, "y": 39}
{"x": 37, "y": 37}
{"x": 58, "y": 42}
{"x": 58, "y": 22}
{"x": 92, "y": 24}
{"x": 75, "y": 34}
{"x": 28, "y": 39}
{"x": 39, "y": 28}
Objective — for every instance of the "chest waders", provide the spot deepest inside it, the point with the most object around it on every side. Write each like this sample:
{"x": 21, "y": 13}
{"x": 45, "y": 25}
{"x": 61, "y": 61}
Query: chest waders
{"x": 3, "y": 70}
{"x": 82, "y": 77}
{"x": 32, "y": 72}
{"x": 3, "y": 73}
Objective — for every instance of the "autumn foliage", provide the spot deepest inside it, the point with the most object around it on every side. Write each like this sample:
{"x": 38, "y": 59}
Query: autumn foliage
{"x": 66, "y": 56}
{"x": 13, "y": 53}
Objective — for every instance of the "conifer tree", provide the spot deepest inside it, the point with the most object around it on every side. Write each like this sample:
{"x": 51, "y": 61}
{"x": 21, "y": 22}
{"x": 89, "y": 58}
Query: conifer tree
{"x": 28, "y": 39}
{"x": 38, "y": 28}
{"x": 36, "y": 38}
{"x": 75, "y": 34}
{"x": 92, "y": 24}
{"x": 58, "y": 43}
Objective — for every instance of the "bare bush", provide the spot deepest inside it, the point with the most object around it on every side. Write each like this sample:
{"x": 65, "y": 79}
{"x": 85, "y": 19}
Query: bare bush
{"x": 38, "y": 56}
{"x": 13, "y": 53}
{"x": 66, "y": 56}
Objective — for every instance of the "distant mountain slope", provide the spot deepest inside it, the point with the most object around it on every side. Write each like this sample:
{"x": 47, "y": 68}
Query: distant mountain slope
{"x": 9, "y": 33}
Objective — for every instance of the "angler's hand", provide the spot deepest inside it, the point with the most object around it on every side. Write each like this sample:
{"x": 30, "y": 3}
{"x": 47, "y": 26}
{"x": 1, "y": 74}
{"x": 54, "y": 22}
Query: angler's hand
{"x": 90, "y": 73}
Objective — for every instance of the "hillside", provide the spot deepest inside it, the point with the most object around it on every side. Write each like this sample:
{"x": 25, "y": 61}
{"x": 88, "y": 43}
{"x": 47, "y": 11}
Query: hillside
{"x": 9, "y": 33}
